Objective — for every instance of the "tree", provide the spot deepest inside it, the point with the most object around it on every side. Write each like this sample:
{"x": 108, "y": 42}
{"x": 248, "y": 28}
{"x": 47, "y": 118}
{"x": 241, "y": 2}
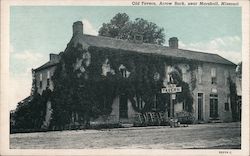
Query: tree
{"x": 30, "y": 114}
{"x": 121, "y": 27}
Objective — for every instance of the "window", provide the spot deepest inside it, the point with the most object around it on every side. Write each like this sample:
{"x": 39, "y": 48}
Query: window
{"x": 214, "y": 105}
{"x": 200, "y": 106}
{"x": 41, "y": 80}
{"x": 48, "y": 78}
{"x": 123, "y": 72}
{"x": 41, "y": 77}
{"x": 199, "y": 74}
{"x": 41, "y": 84}
{"x": 168, "y": 78}
{"x": 48, "y": 74}
{"x": 140, "y": 103}
{"x": 227, "y": 103}
{"x": 226, "y": 75}
{"x": 184, "y": 74}
{"x": 48, "y": 82}
{"x": 155, "y": 102}
{"x": 213, "y": 76}
{"x": 169, "y": 69}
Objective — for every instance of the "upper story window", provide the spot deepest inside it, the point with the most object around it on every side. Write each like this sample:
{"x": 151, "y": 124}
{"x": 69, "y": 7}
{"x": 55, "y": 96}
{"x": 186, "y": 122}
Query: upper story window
{"x": 48, "y": 78}
{"x": 169, "y": 69}
{"x": 184, "y": 74}
{"x": 48, "y": 74}
{"x": 41, "y": 77}
{"x": 213, "y": 76}
{"x": 41, "y": 80}
{"x": 226, "y": 75}
{"x": 124, "y": 71}
{"x": 199, "y": 74}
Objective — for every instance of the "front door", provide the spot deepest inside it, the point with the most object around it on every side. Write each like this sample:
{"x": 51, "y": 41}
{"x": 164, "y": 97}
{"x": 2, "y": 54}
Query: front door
{"x": 214, "y": 106}
{"x": 200, "y": 106}
{"x": 123, "y": 109}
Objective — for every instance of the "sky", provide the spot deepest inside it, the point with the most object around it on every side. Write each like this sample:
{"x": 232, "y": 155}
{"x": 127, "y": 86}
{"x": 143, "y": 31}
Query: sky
{"x": 37, "y": 31}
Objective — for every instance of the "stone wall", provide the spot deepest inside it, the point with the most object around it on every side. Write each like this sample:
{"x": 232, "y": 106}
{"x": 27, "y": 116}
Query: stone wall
{"x": 205, "y": 87}
{"x": 221, "y": 89}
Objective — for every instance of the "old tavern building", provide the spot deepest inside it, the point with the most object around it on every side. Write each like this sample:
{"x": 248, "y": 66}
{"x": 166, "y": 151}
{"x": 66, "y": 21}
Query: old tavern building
{"x": 208, "y": 80}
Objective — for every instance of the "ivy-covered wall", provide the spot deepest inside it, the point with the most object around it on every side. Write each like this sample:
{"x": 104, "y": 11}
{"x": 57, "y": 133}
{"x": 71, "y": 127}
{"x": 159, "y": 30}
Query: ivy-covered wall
{"x": 86, "y": 81}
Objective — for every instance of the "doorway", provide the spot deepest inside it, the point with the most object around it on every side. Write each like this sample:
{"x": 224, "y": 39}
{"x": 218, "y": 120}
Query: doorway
{"x": 214, "y": 106}
{"x": 123, "y": 109}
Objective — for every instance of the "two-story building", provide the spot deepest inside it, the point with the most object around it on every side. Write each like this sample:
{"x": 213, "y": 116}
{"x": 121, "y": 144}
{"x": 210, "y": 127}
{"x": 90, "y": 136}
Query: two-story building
{"x": 208, "y": 80}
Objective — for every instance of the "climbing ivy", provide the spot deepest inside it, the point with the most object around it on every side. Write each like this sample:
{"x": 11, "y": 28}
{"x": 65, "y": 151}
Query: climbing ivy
{"x": 90, "y": 93}
{"x": 30, "y": 114}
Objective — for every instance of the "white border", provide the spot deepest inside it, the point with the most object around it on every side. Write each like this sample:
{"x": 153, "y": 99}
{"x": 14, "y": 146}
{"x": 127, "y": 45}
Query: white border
{"x": 4, "y": 115}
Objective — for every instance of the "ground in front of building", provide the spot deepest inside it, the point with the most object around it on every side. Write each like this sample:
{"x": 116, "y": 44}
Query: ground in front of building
{"x": 199, "y": 136}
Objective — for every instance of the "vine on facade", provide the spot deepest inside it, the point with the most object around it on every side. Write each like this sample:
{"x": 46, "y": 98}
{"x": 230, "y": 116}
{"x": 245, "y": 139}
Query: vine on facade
{"x": 90, "y": 93}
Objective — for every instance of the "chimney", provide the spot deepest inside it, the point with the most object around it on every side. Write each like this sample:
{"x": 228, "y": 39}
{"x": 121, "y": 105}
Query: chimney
{"x": 77, "y": 28}
{"x": 54, "y": 57}
{"x": 173, "y": 42}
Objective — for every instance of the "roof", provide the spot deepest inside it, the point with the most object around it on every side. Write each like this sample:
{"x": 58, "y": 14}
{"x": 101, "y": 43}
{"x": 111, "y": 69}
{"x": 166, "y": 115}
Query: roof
{"x": 47, "y": 65}
{"x": 25, "y": 101}
{"x": 107, "y": 42}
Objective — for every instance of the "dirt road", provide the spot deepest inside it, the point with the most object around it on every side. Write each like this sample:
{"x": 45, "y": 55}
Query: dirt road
{"x": 219, "y": 135}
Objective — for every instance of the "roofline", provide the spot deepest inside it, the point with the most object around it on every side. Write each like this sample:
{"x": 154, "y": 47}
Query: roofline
{"x": 42, "y": 68}
{"x": 211, "y": 54}
{"x": 232, "y": 64}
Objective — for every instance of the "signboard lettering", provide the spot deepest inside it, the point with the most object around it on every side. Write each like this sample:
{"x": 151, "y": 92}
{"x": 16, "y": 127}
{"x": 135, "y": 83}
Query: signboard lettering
{"x": 171, "y": 90}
